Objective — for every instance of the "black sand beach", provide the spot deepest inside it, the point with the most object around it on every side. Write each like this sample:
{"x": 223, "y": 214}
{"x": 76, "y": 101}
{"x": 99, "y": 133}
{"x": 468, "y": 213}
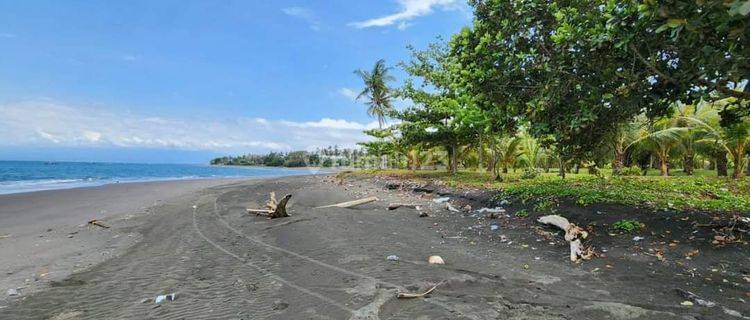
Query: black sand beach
{"x": 317, "y": 264}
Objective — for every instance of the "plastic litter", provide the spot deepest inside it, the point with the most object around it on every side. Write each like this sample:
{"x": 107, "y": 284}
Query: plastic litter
{"x": 491, "y": 210}
{"x": 638, "y": 238}
{"x": 494, "y": 227}
{"x": 165, "y": 297}
{"x": 393, "y": 258}
{"x": 12, "y": 292}
{"x": 441, "y": 200}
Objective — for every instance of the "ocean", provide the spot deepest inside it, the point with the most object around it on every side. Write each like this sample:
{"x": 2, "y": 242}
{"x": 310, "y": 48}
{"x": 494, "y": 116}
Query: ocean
{"x": 27, "y": 176}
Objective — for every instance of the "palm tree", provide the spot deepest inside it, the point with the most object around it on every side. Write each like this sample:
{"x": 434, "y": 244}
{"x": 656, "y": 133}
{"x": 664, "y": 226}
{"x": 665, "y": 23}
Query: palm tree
{"x": 661, "y": 141}
{"x": 531, "y": 151}
{"x": 376, "y": 91}
{"x": 507, "y": 151}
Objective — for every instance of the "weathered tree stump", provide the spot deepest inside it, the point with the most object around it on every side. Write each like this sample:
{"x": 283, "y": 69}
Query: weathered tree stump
{"x": 275, "y": 209}
{"x": 280, "y": 210}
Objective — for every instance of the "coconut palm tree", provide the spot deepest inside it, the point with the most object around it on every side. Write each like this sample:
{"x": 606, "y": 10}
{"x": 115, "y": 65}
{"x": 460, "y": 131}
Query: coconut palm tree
{"x": 661, "y": 140}
{"x": 376, "y": 92}
{"x": 734, "y": 139}
{"x": 531, "y": 151}
{"x": 506, "y": 151}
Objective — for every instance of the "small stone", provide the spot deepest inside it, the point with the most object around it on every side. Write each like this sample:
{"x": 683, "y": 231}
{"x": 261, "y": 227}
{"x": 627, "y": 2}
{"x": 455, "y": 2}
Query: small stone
{"x": 423, "y": 215}
{"x": 435, "y": 260}
{"x": 13, "y": 292}
{"x": 687, "y": 303}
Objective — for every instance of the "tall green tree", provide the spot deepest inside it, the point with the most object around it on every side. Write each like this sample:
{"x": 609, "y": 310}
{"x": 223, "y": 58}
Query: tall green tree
{"x": 440, "y": 115}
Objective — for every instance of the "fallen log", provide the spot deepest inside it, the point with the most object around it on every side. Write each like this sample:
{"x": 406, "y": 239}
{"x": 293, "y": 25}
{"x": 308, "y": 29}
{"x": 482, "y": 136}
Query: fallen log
{"x": 260, "y": 211}
{"x": 408, "y": 295}
{"x": 573, "y": 235}
{"x": 349, "y": 204}
{"x": 394, "y": 206}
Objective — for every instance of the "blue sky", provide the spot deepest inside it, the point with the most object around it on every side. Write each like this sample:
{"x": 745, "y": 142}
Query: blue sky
{"x": 197, "y": 77}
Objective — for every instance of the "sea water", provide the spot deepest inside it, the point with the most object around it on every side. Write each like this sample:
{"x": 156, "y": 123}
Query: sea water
{"x": 27, "y": 176}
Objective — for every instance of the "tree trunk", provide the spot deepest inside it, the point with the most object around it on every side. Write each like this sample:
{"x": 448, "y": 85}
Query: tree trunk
{"x": 383, "y": 162}
{"x": 617, "y": 163}
{"x": 481, "y": 153}
{"x": 505, "y": 168}
{"x": 454, "y": 161}
{"x": 493, "y": 164}
{"x": 738, "y": 156}
{"x": 562, "y": 168}
{"x": 688, "y": 164}
{"x": 576, "y": 168}
{"x": 664, "y": 167}
{"x": 547, "y": 166}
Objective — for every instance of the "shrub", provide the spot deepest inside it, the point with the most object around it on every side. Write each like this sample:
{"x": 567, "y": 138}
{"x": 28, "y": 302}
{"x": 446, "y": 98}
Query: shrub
{"x": 522, "y": 213}
{"x": 530, "y": 173}
{"x": 627, "y": 225}
{"x": 631, "y": 171}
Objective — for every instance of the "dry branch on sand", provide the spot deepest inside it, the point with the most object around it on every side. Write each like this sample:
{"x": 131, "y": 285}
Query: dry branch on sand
{"x": 573, "y": 235}
{"x": 408, "y": 295}
{"x": 276, "y": 209}
{"x": 349, "y": 204}
{"x": 98, "y": 223}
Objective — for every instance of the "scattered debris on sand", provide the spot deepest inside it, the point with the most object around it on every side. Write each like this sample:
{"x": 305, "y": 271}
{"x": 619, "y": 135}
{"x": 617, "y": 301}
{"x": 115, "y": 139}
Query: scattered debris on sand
{"x": 695, "y": 298}
{"x": 98, "y": 223}
{"x": 165, "y": 297}
{"x": 408, "y": 295}
{"x": 441, "y": 200}
{"x": 394, "y": 206}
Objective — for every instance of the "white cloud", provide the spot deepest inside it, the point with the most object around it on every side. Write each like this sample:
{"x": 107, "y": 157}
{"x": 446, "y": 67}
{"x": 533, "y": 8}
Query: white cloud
{"x": 348, "y": 93}
{"x": 305, "y": 14}
{"x": 46, "y": 123}
{"x": 409, "y": 9}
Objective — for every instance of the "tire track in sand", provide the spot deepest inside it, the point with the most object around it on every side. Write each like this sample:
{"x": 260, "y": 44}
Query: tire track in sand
{"x": 267, "y": 272}
{"x": 365, "y": 312}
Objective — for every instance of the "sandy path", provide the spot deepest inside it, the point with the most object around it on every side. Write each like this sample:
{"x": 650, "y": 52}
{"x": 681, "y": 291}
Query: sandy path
{"x": 318, "y": 264}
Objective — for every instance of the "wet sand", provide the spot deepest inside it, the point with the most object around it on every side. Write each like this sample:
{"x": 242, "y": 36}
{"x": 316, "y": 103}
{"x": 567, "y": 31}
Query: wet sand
{"x": 331, "y": 264}
{"x": 44, "y": 235}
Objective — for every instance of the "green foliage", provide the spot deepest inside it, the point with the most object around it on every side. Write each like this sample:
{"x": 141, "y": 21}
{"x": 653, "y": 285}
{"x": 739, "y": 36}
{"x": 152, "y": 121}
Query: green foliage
{"x": 544, "y": 204}
{"x": 631, "y": 171}
{"x": 627, "y": 225}
{"x": 530, "y": 173}
{"x": 699, "y": 192}
{"x": 523, "y": 213}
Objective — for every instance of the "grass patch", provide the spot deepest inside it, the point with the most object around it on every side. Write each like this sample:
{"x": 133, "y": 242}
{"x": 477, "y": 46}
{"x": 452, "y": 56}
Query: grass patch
{"x": 701, "y": 192}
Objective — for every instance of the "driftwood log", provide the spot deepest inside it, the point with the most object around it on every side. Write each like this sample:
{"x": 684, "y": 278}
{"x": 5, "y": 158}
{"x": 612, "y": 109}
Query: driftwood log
{"x": 394, "y": 206}
{"x": 275, "y": 209}
{"x": 349, "y": 204}
{"x": 573, "y": 235}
